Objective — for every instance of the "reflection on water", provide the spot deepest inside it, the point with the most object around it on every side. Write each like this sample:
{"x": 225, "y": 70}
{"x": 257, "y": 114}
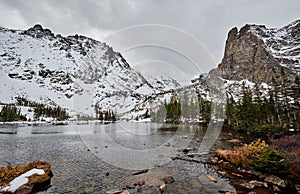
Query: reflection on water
{"x": 90, "y": 150}
{"x": 133, "y": 145}
{"x": 27, "y": 129}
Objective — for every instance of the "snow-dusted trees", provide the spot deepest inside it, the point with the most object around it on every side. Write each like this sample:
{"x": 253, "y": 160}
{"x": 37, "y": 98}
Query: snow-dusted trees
{"x": 279, "y": 108}
{"x": 11, "y": 113}
{"x": 57, "y": 112}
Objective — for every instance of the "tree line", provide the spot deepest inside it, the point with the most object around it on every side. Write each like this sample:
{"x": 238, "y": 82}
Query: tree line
{"x": 278, "y": 109}
{"x": 57, "y": 112}
{"x": 181, "y": 109}
{"x": 101, "y": 115}
{"x": 12, "y": 112}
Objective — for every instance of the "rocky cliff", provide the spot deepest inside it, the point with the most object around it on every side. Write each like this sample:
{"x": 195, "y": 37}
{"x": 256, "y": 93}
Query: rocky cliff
{"x": 258, "y": 53}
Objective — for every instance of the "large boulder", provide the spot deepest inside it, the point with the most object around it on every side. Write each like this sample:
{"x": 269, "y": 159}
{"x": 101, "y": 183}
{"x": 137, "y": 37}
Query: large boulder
{"x": 36, "y": 181}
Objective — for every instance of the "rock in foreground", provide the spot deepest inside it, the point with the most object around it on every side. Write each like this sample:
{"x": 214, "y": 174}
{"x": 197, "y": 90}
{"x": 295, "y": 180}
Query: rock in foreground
{"x": 34, "y": 177}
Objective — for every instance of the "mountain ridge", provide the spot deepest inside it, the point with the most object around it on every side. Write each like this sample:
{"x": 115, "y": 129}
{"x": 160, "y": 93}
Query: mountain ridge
{"x": 69, "y": 72}
{"x": 87, "y": 76}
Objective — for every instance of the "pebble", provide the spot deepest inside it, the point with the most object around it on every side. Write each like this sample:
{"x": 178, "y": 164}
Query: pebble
{"x": 162, "y": 187}
{"x": 211, "y": 178}
{"x": 113, "y": 191}
{"x": 215, "y": 160}
{"x": 125, "y": 192}
{"x": 234, "y": 141}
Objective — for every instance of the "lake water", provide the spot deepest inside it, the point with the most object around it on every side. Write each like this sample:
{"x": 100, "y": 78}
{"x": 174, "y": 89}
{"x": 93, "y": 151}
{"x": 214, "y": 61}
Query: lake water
{"x": 94, "y": 158}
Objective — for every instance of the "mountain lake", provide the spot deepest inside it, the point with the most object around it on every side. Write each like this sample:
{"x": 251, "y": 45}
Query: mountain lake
{"x": 94, "y": 157}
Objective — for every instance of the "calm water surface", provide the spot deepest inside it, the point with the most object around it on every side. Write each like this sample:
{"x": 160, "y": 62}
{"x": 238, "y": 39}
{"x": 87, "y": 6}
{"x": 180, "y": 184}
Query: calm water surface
{"x": 94, "y": 158}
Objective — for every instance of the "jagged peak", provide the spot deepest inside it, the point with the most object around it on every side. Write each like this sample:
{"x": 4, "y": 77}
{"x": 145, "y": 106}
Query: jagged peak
{"x": 38, "y": 31}
{"x": 256, "y": 48}
{"x": 234, "y": 33}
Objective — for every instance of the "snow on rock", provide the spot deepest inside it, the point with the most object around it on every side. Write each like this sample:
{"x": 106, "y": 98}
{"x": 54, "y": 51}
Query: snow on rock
{"x": 283, "y": 43}
{"x": 234, "y": 89}
{"x": 163, "y": 83}
{"x": 74, "y": 72}
{"x": 21, "y": 180}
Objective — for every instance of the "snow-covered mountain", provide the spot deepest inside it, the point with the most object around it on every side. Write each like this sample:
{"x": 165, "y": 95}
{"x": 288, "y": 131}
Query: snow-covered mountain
{"x": 260, "y": 54}
{"x": 74, "y": 72}
{"x": 87, "y": 76}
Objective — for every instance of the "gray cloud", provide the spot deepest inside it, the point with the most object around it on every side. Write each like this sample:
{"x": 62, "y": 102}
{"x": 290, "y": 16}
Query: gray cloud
{"x": 208, "y": 20}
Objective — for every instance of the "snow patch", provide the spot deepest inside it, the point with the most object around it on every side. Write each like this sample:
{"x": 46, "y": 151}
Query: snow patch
{"x": 21, "y": 180}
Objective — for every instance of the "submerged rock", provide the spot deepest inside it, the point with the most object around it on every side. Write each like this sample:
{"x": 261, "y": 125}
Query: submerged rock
{"x": 168, "y": 179}
{"x": 140, "y": 182}
{"x": 140, "y": 172}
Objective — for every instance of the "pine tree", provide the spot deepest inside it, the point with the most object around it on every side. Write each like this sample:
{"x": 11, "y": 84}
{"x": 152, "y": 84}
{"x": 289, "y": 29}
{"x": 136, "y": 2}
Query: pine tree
{"x": 247, "y": 110}
{"x": 230, "y": 110}
{"x": 11, "y": 113}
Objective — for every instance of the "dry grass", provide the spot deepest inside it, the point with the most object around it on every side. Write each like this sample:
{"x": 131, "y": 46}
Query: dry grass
{"x": 290, "y": 147}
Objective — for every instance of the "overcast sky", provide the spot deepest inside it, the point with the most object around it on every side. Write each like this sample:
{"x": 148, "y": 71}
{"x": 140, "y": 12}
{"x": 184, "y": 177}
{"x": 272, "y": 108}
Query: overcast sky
{"x": 208, "y": 21}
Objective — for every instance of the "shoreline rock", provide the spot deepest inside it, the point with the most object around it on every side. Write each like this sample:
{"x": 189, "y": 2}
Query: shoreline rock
{"x": 35, "y": 183}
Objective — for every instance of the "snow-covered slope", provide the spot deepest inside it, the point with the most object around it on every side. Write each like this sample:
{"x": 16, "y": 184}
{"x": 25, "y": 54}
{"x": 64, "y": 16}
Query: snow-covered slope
{"x": 282, "y": 43}
{"x": 163, "y": 83}
{"x": 74, "y": 72}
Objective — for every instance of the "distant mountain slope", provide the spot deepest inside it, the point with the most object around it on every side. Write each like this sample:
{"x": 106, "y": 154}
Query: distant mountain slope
{"x": 163, "y": 83}
{"x": 75, "y": 72}
{"x": 258, "y": 54}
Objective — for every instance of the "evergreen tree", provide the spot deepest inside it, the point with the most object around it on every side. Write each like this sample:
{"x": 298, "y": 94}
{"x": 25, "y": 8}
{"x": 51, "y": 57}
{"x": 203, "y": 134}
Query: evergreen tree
{"x": 247, "y": 110}
{"x": 11, "y": 113}
{"x": 230, "y": 110}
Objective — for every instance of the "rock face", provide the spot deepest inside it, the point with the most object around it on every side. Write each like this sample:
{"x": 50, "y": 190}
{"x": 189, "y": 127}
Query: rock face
{"x": 257, "y": 53}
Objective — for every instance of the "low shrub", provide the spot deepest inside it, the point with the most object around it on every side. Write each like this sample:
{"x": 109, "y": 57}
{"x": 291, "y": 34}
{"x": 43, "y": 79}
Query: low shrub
{"x": 245, "y": 154}
{"x": 271, "y": 162}
{"x": 257, "y": 155}
{"x": 287, "y": 145}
